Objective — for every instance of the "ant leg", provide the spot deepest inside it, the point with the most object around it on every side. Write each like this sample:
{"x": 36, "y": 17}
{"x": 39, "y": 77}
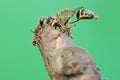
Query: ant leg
{"x": 74, "y": 21}
{"x": 32, "y": 31}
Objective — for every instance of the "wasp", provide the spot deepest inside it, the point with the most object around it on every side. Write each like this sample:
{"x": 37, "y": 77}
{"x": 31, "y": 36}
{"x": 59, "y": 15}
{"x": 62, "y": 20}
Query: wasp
{"x": 50, "y": 20}
{"x": 84, "y": 14}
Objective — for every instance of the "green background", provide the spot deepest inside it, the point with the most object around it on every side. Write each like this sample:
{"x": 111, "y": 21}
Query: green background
{"x": 20, "y": 60}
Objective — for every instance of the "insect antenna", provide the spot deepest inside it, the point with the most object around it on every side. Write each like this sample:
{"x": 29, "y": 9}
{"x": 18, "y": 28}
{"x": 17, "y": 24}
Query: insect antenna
{"x": 76, "y": 9}
{"x": 32, "y": 31}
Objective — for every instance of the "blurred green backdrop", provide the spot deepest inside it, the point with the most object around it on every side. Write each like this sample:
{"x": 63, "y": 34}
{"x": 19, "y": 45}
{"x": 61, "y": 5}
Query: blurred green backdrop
{"x": 20, "y": 60}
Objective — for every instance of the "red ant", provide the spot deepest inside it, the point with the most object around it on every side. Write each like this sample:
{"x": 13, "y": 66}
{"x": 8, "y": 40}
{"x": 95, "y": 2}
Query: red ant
{"x": 36, "y": 31}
